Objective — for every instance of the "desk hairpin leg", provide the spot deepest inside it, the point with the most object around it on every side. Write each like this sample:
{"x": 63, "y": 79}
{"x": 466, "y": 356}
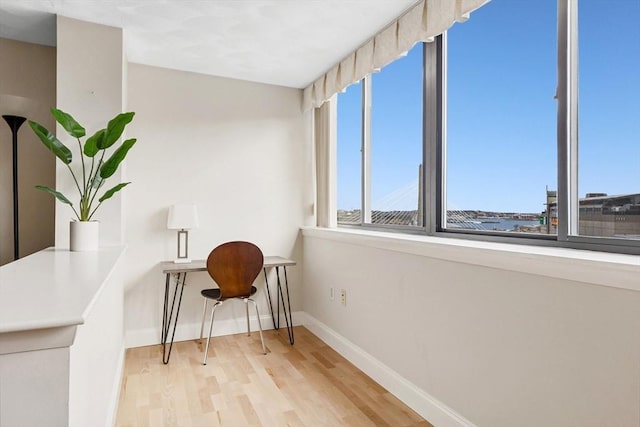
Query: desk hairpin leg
{"x": 276, "y": 326}
{"x": 167, "y": 315}
{"x": 288, "y": 321}
{"x": 286, "y": 308}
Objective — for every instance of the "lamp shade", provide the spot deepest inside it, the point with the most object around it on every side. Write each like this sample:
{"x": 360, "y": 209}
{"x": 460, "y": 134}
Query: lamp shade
{"x": 182, "y": 217}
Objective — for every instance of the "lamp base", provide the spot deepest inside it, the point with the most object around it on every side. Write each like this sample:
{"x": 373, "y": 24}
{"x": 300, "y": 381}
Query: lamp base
{"x": 182, "y": 261}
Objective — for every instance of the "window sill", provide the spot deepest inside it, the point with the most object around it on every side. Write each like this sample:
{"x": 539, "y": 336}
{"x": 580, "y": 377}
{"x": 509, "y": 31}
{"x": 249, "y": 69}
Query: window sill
{"x": 597, "y": 268}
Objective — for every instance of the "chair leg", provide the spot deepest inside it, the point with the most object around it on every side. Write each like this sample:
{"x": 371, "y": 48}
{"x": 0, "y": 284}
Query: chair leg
{"x": 213, "y": 312}
{"x": 246, "y": 307}
{"x": 204, "y": 314}
{"x": 264, "y": 350}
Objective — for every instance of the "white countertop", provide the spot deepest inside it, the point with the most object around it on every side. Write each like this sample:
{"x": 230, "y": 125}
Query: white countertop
{"x": 53, "y": 288}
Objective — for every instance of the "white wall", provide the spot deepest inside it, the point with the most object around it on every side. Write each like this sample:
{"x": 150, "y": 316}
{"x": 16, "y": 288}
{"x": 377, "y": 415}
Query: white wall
{"x": 497, "y": 346}
{"x": 241, "y": 152}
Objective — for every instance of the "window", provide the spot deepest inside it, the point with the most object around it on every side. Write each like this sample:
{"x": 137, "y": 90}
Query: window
{"x": 349, "y": 155}
{"x": 389, "y": 146}
{"x": 501, "y": 118}
{"x": 396, "y": 141}
{"x": 609, "y": 119}
{"x": 520, "y": 129}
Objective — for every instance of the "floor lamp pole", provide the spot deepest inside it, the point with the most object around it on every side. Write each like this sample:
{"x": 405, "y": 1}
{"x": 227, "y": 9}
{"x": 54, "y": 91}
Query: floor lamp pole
{"x": 14, "y": 123}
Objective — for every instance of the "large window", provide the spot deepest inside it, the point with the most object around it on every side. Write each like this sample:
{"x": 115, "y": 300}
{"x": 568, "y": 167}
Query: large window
{"x": 522, "y": 124}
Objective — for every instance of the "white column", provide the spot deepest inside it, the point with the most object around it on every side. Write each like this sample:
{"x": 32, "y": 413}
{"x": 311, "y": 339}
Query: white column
{"x": 91, "y": 87}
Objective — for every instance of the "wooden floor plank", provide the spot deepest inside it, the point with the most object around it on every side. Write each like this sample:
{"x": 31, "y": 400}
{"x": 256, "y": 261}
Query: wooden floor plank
{"x": 307, "y": 384}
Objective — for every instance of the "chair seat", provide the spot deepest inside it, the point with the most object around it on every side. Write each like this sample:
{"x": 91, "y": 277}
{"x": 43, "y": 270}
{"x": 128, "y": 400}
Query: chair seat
{"x": 214, "y": 293}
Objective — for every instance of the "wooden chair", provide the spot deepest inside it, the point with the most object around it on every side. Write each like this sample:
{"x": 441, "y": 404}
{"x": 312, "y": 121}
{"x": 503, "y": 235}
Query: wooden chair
{"x": 233, "y": 266}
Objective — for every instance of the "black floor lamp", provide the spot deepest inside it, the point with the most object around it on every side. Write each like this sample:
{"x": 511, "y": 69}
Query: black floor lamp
{"x": 14, "y": 109}
{"x": 14, "y": 123}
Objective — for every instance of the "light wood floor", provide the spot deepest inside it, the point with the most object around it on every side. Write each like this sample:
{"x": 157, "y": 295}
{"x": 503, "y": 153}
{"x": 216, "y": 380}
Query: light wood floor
{"x": 307, "y": 384}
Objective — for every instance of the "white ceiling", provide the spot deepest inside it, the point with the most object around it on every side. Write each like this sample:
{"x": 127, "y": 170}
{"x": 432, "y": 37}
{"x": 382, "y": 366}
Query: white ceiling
{"x": 282, "y": 42}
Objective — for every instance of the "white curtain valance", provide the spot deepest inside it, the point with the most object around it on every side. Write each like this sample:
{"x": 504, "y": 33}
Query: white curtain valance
{"x": 423, "y": 22}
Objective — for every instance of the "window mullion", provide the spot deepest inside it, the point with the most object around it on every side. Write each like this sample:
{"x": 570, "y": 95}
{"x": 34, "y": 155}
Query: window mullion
{"x": 366, "y": 150}
{"x": 574, "y": 210}
{"x": 433, "y": 126}
{"x": 567, "y": 120}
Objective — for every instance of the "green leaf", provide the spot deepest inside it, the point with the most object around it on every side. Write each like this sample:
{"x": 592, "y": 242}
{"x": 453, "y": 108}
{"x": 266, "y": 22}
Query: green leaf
{"x": 51, "y": 142}
{"x": 91, "y": 145}
{"x": 58, "y": 195}
{"x": 111, "y": 165}
{"x": 114, "y": 129}
{"x": 69, "y": 124}
{"x": 97, "y": 181}
{"x": 112, "y": 191}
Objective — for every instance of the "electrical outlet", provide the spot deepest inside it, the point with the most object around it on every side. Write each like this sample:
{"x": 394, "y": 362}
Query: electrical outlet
{"x": 343, "y": 296}
{"x": 332, "y": 294}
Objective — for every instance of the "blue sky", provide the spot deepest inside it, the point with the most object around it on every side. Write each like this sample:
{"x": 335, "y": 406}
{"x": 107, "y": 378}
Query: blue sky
{"x": 501, "y": 129}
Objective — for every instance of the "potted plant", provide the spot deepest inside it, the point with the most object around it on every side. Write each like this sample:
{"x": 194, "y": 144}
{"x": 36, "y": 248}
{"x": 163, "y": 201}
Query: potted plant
{"x": 94, "y": 169}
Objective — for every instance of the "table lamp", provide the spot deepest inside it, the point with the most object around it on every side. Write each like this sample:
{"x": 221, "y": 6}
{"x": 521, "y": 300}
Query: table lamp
{"x": 182, "y": 217}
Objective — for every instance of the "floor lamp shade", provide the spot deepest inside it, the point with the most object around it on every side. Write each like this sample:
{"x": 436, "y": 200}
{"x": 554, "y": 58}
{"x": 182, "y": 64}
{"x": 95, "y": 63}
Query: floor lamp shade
{"x": 182, "y": 217}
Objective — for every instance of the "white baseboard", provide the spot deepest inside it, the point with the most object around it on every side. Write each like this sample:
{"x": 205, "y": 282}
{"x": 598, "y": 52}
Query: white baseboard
{"x": 191, "y": 331}
{"x": 112, "y": 411}
{"x": 436, "y": 412}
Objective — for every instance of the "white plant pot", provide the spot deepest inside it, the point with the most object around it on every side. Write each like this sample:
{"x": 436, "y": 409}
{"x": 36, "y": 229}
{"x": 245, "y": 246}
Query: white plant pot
{"x": 83, "y": 235}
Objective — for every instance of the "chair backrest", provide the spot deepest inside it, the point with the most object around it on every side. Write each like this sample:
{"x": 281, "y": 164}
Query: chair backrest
{"x": 234, "y": 266}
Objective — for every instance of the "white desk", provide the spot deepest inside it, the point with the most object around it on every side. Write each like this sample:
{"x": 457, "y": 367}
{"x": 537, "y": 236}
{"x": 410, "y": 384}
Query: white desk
{"x": 179, "y": 272}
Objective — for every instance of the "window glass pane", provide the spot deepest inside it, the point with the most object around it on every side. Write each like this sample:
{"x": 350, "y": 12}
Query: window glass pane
{"x": 501, "y": 169}
{"x": 396, "y": 141}
{"x": 609, "y": 118}
{"x": 349, "y": 154}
